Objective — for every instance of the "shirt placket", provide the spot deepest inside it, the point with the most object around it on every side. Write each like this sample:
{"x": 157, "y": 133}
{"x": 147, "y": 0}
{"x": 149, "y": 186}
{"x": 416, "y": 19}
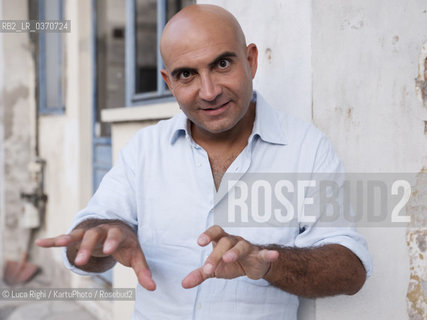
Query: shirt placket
{"x": 207, "y": 191}
{"x": 240, "y": 166}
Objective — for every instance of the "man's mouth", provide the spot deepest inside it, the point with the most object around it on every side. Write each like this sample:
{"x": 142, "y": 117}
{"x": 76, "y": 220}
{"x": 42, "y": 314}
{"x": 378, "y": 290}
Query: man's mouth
{"x": 217, "y": 109}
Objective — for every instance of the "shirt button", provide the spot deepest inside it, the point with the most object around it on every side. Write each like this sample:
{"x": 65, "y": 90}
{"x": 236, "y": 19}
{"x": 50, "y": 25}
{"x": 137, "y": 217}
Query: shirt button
{"x": 199, "y": 306}
{"x": 198, "y": 164}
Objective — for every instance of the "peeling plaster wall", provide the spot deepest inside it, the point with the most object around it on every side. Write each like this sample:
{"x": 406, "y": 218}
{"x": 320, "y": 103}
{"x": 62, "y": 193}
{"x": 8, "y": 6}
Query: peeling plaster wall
{"x": 18, "y": 126}
{"x": 365, "y": 64}
{"x": 416, "y": 238}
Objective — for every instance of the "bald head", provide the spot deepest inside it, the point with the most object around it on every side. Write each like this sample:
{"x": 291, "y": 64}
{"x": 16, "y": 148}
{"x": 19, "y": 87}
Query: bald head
{"x": 198, "y": 21}
{"x": 209, "y": 69}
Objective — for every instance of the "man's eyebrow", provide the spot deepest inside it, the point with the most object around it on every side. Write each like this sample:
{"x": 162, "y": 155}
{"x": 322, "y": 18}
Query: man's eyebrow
{"x": 225, "y": 55}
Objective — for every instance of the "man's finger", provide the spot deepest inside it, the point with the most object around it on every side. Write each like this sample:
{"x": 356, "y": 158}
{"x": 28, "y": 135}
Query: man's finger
{"x": 112, "y": 241}
{"x": 241, "y": 249}
{"x": 91, "y": 239}
{"x": 194, "y": 278}
{"x": 58, "y": 241}
{"x": 224, "y": 244}
{"x": 268, "y": 255}
{"x": 62, "y": 240}
{"x": 214, "y": 233}
{"x": 142, "y": 271}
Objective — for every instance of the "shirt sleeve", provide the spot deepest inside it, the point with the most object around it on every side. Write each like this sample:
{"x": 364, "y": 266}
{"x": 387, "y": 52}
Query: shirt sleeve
{"x": 321, "y": 225}
{"x": 115, "y": 197}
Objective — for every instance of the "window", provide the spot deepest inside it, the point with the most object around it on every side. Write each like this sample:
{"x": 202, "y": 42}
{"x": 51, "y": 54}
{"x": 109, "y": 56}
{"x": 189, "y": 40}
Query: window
{"x": 146, "y": 19}
{"x": 109, "y": 20}
{"x": 51, "y": 99}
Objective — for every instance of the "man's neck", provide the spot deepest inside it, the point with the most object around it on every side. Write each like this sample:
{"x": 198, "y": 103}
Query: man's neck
{"x": 223, "y": 148}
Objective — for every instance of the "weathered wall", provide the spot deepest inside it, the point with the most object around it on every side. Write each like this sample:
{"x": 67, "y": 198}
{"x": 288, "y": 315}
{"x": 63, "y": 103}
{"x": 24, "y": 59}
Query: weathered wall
{"x": 18, "y": 110}
{"x": 416, "y": 237}
{"x": 365, "y": 61}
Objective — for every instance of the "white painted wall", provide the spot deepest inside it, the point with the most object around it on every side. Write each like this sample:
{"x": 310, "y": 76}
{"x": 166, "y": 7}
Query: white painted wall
{"x": 365, "y": 61}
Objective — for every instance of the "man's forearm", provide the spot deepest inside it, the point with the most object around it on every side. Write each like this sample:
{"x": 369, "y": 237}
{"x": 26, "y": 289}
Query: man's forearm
{"x": 98, "y": 262}
{"x": 316, "y": 272}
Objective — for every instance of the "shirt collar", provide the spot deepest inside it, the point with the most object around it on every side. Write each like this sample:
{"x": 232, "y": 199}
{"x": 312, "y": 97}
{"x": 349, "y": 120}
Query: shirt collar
{"x": 267, "y": 124}
{"x": 180, "y": 128}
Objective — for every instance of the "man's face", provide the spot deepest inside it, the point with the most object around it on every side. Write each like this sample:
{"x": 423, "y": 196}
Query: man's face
{"x": 210, "y": 74}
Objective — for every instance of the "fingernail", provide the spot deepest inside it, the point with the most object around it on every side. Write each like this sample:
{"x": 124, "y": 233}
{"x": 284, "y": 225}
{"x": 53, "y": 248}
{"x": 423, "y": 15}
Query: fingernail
{"x": 108, "y": 246}
{"x": 208, "y": 268}
{"x": 80, "y": 257}
{"x": 203, "y": 239}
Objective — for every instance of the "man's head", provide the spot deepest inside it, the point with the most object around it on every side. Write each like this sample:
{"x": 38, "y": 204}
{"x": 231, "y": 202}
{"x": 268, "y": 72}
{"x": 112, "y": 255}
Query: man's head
{"x": 209, "y": 68}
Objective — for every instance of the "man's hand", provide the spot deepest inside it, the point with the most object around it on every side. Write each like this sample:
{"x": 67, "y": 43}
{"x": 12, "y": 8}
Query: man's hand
{"x": 232, "y": 257}
{"x": 94, "y": 245}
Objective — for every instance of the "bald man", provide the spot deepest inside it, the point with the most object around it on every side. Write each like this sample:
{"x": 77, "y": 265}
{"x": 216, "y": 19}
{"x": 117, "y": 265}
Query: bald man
{"x": 155, "y": 210}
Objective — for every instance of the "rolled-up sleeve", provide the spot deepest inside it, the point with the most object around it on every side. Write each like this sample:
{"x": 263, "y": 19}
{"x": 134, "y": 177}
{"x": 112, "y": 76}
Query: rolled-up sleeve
{"x": 339, "y": 230}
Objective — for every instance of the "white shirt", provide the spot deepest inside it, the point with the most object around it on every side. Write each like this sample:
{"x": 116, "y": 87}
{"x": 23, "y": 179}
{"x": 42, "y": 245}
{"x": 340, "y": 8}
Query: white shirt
{"x": 162, "y": 185}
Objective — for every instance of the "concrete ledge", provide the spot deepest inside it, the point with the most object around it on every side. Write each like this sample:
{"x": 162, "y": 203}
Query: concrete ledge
{"x": 148, "y": 112}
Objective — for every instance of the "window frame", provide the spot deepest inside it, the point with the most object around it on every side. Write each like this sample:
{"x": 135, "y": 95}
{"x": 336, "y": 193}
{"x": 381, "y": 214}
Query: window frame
{"x": 43, "y": 108}
{"x": 162, "y": 94}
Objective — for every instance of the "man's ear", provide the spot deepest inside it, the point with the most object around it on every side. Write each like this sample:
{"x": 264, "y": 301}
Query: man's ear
{"x": 166, "y": 78}
{"x": 252, "y": 56}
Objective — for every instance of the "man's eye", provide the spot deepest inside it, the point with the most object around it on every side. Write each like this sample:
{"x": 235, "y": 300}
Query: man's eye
{"x": 223, "y": 63}
{"x": 185, "y": 75}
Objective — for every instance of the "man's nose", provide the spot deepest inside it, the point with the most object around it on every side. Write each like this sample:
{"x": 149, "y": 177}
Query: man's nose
{"x": 209, "y": 88}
